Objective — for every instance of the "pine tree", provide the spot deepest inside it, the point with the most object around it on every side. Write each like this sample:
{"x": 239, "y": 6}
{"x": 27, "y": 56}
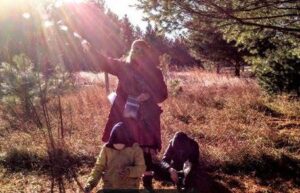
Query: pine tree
{"x": 127, "y": 33}
{"x": 180, "y": 53}
{"x": 245, "y": 25}
{"x": 138, "y": 33}
{"x": 209, "y": 45}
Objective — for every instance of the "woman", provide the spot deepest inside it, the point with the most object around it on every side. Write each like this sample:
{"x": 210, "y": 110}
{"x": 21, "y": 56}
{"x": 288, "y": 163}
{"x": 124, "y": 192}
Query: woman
{"x": 139, "y": 78}
{"x": 120, "y": 163}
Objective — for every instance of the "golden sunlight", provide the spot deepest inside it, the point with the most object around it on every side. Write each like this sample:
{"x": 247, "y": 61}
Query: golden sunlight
{"x": 60, "y": 2}
{"x": 125, "y": 7}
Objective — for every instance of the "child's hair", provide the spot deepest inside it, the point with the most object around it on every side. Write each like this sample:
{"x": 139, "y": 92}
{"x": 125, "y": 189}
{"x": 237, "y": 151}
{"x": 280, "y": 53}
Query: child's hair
{"x": 179, "y": 139}
{"x": 120, "y": 134}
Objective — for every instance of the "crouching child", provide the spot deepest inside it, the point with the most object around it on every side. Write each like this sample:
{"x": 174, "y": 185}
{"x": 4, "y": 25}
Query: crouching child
{"x": 120, "y": 163}
{"x": 180, "y": 163}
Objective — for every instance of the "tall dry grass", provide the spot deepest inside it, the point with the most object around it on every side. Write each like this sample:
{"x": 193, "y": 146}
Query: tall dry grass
{"x": 218, "y": 112}
{"x": 233, "y": 121}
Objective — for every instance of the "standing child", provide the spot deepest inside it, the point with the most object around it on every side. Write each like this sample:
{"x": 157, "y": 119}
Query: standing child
{"x": 120, "y": 163}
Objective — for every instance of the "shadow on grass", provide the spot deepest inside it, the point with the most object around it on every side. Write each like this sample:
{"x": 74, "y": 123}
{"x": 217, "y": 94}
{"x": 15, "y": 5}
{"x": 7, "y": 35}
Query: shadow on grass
{"x": 64, "y": 166}
{"x": 266, "y": 110}
{"x": 207, "y": 183}
{"x": 18, "y": 160}
{"x": 59, "y": 165}
{"x": 269, "y": 169}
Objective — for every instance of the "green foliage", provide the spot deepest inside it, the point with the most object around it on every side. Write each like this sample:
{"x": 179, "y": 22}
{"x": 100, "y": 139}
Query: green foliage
{"x": 274, "y": 56}
{"x": 181, "y": 54}
{"x": 282, "y": 76}
{"x": 19, "y": 85}
{"x": 211, "y": 47}
{"x": 177, "y": 49}
{"x": 23, "y": 88}
{"x": 262, "y": 33}
{"x": 127, "y": 33}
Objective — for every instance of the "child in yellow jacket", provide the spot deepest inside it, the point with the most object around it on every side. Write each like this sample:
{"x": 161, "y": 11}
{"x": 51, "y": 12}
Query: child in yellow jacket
{"x": 120, "y": 162}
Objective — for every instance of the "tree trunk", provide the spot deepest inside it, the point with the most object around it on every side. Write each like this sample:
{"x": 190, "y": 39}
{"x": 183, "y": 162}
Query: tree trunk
{"x": 218, "y": 68}
{"x": 237, "y": 70}
{"x": 61, "y": 118}
{"x": 106, "y": 83}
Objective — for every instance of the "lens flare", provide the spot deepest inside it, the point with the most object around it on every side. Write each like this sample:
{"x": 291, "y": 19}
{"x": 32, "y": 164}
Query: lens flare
{"x": 26, "y": 15}
{"x": 63, "y": 28}
{"x": 77, "y": 35}
{"x": 48, "y": 23}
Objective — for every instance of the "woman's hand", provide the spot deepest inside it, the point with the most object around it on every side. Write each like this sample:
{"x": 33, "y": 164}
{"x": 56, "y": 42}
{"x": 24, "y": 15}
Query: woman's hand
{"x": 173, "y": 175}
{"x": 143, "y": 97}
{"x": 86, "y": 46}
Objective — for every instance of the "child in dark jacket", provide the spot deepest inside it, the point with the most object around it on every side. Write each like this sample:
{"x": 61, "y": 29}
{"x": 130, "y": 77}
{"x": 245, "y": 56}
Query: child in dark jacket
{"x": 181, "y": 151}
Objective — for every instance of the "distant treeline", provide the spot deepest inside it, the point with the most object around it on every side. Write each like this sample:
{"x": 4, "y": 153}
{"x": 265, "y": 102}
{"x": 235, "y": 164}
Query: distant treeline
{"x": 263, "y": 34}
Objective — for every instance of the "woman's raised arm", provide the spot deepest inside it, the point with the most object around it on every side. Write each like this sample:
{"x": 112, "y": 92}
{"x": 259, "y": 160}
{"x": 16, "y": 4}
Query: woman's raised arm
{"x": 95, "y": 61}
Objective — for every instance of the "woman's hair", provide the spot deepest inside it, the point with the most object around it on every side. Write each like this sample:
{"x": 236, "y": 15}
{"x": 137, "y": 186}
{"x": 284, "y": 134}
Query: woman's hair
{"x": 150, "y": 54}
{"x": 120, "y": 134}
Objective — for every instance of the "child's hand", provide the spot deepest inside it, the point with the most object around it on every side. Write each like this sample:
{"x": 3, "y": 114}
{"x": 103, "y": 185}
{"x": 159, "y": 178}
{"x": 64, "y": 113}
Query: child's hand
{"x": 124, "y": 173}
{"x": 87, "y": 189}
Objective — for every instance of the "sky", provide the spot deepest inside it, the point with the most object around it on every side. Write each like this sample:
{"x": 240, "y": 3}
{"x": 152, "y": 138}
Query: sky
{"x": 122, "y": 7}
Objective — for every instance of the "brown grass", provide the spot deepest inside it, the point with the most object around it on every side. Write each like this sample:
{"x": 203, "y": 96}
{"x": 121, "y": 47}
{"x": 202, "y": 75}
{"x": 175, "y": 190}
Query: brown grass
{"x": 240, "y": 130}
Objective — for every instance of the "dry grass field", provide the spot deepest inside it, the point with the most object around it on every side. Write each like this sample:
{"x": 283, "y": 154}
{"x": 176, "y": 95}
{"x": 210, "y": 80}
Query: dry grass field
{"x": 249, "y": 141}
